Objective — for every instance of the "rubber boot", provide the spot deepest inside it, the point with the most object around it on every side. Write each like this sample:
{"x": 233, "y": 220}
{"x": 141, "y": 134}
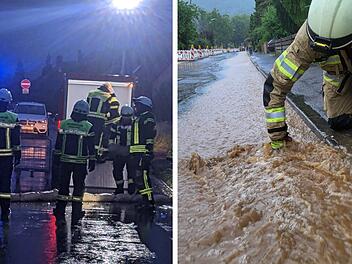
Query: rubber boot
{"x": 5, "y": 215}
{"x": 77, "y": 212}
{"x": 5, "y": 210}
{"x": 59, "y": 213}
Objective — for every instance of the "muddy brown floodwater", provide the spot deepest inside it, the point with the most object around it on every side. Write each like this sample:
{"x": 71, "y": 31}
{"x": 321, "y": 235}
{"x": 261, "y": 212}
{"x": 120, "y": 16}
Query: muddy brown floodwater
{"x": 252, "y": 205}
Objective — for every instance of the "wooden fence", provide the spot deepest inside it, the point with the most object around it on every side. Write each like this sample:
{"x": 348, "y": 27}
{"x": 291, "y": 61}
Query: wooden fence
{"x": 279, "y": 45}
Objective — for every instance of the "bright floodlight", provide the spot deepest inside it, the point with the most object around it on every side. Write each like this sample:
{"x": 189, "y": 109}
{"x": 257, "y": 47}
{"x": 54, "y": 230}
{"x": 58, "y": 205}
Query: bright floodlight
{"x": 125, "y": 4}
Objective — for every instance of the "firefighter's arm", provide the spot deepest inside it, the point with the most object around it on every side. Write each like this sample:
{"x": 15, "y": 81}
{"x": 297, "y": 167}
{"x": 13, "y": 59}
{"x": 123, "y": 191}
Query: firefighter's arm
{"x": 150, "y": 133}
{"x": 288, "y": 68}
{"x": 90, "y": 143}
{"x": 16, "y": 143}
{"x": 113, "y": 114}
{"x": 114, "y": 135}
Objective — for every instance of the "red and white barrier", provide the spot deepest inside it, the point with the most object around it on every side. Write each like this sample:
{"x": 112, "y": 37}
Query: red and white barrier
{"x": 197, "y": 54}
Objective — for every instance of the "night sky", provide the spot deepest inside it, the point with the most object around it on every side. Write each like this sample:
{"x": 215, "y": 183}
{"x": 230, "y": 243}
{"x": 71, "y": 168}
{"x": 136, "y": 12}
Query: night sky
{"x": 32, "y": 30}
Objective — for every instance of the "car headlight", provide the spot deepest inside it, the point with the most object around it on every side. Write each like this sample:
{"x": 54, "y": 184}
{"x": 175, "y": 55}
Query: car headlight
{"x": 43, "y": 121}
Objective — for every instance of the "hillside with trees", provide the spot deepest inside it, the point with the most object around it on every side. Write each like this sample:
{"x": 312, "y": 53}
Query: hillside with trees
{"x": 229, "y": 7}
{"x": 276, "y": 18}
{"x": 199, "y": 27}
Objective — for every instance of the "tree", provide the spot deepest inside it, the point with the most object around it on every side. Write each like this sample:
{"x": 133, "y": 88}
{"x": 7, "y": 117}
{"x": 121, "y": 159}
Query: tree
{"x": 187, "y": 33}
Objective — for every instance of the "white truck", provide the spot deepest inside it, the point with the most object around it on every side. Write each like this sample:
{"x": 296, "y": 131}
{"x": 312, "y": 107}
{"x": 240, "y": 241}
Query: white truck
{"x": 77, "y": 87}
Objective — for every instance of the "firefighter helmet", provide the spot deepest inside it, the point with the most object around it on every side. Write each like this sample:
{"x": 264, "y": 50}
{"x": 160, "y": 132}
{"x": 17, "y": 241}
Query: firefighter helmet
{"x": 329, "y": 24}
{"x": 81, "y": 107}
{"x": 144, "y": 101}
{"x": 127, "y": 111}
{"x": 5, "y": 95}
{"x": 108, "y": 86}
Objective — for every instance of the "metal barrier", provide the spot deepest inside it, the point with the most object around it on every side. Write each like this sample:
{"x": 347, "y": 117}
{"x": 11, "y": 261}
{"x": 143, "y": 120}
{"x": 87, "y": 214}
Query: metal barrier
{"x": 35, "y": 163}
{"x": 197, "y": 54}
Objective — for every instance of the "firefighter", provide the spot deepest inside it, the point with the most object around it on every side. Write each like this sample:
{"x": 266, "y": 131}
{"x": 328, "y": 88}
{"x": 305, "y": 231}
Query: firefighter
{"x": 120, "y": 141}
{"x": 103, "y": 112}
{"x": 326, "y": 38}
{"x": 10, "y": 152}
{"x": 141, "y": 149}
{"x": 73, "y": 149}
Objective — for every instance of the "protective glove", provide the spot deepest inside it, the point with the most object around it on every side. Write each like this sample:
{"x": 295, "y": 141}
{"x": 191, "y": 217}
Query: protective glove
{"x": 17, "y": 158}
{"x": 91, "y": 165}
{"x": 147, "y": 159}
{"x": 278, "y": 144}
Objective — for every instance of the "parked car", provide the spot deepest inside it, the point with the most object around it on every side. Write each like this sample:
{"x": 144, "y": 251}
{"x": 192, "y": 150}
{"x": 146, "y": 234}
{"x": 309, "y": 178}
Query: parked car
{"x": 33, "y": 117}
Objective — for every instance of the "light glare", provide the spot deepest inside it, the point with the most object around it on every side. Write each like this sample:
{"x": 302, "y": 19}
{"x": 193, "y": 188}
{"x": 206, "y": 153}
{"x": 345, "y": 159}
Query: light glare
{"x": 125, "y": 4}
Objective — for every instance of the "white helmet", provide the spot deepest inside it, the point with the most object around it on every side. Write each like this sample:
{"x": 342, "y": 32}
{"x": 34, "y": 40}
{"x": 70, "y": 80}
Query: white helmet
{"x": 329, "y": 24}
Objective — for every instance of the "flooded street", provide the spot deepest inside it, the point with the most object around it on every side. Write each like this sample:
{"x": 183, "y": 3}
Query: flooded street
{"x": 109, "y": 233}
{"x": 240, "y": 202}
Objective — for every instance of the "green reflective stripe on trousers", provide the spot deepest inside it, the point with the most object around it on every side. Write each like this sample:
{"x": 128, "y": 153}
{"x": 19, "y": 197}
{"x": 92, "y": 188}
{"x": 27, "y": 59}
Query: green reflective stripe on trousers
{"x": 145, "y": 191}
{"x": 145, "y": 177}
{"x": 332, "y": 79}
{"x": 6, "y": 153}
{"x": 138, "y": 149}
{"x": 277, "y": 144}
{"x": 77, "y": 198}
{"x": 332, "y": 60}
{"x": 63, "y": 197}
{"x": 5, "y": 196}
{"x": 136, "y": 132}
{"x": 288, "y": 68}
{"x": 274, "y": 115}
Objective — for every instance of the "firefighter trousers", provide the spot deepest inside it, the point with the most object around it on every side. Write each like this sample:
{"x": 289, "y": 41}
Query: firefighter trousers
{"x": 6, "y": 165}
{"x": 140, "y": 174}
{"x": 78, "y": 172}
{"x": 338, "y": 106}
{"x": 119, "y": 164}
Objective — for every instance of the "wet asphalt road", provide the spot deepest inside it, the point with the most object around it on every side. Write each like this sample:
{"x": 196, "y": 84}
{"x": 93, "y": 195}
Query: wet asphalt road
{"x": 194, "y": 76}
{"x": 109, "y": 233}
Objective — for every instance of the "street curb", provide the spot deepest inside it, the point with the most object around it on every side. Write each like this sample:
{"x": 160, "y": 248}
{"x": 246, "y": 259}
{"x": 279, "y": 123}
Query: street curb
{"x": 51, "y": 196}
{"x": 321, "y": 133}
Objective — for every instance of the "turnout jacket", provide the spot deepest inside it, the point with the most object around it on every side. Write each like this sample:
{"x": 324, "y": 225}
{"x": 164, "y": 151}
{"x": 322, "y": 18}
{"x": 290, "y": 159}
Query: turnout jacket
{"x": 75, "y": 142}
{"x": 290, "y": 66}
{"x": 121, "y": 135}
{"x": 103, "y": 105}
{"x": 9, "y": 134}
{"x": 143, "y": 133}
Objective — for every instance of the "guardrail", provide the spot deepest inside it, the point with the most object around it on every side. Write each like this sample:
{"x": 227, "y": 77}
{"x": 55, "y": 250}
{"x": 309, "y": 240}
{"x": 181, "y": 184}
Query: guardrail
{"x": 197, "y": 54}
{"x": 279, "y": 45}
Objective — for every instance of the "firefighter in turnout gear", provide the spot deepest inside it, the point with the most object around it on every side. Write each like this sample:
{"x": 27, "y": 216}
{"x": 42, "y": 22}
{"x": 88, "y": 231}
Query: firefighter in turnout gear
{"x": 324, "y": 38}
{"x": 74, "y": 148}
{"x": 10, "y": 152}
{"x": 103, "y": 112}
{"x": 120, "y": 141}
{"x": 141, "y": 149}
